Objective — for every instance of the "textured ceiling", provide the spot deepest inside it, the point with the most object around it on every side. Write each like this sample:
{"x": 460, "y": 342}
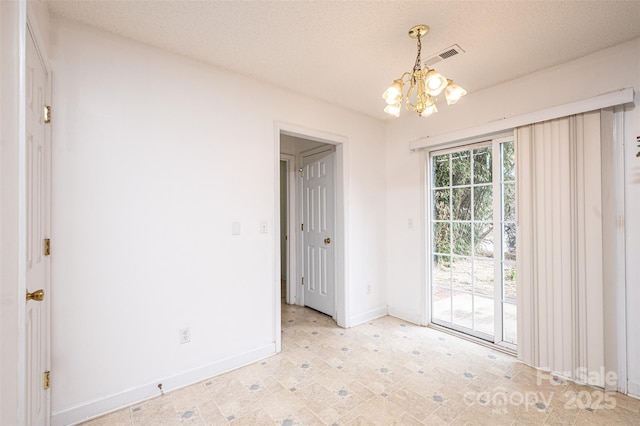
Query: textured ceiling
{"x": 347, "y": 52}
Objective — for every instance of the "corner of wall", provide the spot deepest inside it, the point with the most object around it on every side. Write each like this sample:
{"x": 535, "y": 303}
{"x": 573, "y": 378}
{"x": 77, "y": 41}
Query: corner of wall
{"x": 110, "y": 403}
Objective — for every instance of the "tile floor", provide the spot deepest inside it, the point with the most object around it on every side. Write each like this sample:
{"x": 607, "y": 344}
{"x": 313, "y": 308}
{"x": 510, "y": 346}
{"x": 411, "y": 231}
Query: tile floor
{"x": 386, "y": 372}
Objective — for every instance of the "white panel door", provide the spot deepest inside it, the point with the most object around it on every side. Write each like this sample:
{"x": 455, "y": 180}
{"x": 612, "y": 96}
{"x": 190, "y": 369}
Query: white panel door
{"x": 37, "y": 313}
{"x": 318, "y": 232}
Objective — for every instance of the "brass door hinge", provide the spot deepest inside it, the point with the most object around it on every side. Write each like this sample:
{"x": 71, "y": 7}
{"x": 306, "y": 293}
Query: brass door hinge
{"x": 46, "y": 247}
{"x": 46, "y": 380}
{"x": 302, "y": 227}
{"x": 302, "y": 280}
{"x": 301, "y": 170}
{"x": 47, "y": 114}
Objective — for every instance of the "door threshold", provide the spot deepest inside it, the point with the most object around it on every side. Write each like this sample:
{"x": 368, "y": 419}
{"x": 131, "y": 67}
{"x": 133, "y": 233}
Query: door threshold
{"x": 320, "y": 312}
{"x": 477, "y": 340}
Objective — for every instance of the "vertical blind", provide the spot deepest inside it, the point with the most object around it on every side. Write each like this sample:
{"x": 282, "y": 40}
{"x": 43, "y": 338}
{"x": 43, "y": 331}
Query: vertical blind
{"x": 559, "y": 229}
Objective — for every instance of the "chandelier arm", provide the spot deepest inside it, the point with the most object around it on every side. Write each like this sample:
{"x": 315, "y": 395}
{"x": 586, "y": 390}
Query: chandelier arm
{"x": 406, "y": 78}
{"x": 407, "y": 102}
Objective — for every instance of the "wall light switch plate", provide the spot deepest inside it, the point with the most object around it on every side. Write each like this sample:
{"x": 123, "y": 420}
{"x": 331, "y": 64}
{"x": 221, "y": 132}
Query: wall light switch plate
{"x": 235, "y": 228}
{"x": 263, "y": 227}
{"x": 185, "y": 335}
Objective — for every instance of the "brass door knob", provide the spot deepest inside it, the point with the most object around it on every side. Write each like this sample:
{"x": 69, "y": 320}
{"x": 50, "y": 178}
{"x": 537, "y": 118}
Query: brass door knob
{"x": 327, "y": 240}
{"x": 37, "y": 295}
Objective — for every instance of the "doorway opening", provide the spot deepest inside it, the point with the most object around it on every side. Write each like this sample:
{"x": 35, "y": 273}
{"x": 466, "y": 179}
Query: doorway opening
{"x": 310, "y": 214}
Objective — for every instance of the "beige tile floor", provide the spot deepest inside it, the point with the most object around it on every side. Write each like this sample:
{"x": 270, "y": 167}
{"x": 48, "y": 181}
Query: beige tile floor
{"x": 385, "y": 372}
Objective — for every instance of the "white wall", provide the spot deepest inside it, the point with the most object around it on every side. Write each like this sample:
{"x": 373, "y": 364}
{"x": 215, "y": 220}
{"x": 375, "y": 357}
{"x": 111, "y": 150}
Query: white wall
{"x": 611, "y": 69}
{"x": 154, "y": 156}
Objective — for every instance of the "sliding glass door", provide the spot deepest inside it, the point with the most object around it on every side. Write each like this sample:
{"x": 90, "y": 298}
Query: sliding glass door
{"x": 472, "y": 229}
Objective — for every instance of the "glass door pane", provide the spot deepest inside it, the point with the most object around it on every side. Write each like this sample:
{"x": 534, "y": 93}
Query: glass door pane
{"x": 473, "y": 241}
{"x": 508, "y": 236}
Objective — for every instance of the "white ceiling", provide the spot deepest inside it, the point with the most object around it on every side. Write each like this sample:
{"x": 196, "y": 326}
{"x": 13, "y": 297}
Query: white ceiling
{"x": 348, "y": 52}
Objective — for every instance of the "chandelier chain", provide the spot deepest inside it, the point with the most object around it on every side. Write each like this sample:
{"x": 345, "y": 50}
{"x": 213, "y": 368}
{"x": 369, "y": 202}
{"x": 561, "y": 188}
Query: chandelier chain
{"x": 417, "y": 67}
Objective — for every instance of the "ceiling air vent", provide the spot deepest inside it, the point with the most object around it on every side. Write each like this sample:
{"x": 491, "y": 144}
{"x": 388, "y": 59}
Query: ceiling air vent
{"x": 444, "y": 54}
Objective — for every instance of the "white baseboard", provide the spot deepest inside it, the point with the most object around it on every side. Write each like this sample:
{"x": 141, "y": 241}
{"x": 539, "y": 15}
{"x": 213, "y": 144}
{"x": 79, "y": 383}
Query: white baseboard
{"x": 633, "y": 389}
{"x": 367, "y": 316}
{"x": 99, "y": 407}
{"x": 411, "y": 317}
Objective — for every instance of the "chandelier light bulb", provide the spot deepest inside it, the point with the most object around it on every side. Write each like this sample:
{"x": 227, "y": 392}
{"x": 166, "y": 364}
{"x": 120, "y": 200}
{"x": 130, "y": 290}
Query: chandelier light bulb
{"x": 435, "y": 82}
{"x": 393, "y": 110}
{"x": 453, "y": 92}
{"x": 393, "y": 95}
{"x": 428, "y": 111}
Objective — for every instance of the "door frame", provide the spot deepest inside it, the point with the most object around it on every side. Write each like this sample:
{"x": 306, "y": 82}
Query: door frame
{"x": 13, "y": 30}
{"x": 341, "y": 179}
{"x": 291, "y": 294}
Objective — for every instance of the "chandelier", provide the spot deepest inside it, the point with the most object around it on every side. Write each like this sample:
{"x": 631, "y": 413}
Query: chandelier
{"x": 425, "y": 86}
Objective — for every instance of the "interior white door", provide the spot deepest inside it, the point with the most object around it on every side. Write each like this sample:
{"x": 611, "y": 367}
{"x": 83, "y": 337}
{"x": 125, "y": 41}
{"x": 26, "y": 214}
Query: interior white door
{"x": 37, "y": 312}
{"x": 318, "y": 232}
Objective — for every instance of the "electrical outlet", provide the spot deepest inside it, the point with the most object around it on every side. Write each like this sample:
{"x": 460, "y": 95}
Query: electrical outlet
{"x": 185, "y": 335}
{"x": 263, "y": 227}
